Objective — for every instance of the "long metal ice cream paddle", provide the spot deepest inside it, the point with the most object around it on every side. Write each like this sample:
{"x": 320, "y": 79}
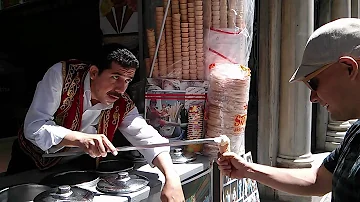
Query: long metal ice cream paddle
{"x": 148, "y": 146}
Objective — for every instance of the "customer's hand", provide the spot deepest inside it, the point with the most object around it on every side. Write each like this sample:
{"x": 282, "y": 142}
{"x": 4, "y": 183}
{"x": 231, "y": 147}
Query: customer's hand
{"x": 95, "y": 145}
{"x": 172, "y": 190}
{"x": 232, "y": 165}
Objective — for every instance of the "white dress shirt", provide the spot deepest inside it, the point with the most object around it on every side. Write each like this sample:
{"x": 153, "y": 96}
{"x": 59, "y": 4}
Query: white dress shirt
{"x": 41, "y": 130}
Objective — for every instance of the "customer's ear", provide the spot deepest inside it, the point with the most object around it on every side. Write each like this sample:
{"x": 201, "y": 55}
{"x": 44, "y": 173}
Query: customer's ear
{"x": 353, "y": 66}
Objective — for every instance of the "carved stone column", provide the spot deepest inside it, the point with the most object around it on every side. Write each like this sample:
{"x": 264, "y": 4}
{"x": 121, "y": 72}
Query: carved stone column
{"x": 268, "y": 87}
{"x": 295, "y": 107}
{"x": 355, "y": 8}
{"x": 335, "y": 133}
{"x": 340, "y": 9}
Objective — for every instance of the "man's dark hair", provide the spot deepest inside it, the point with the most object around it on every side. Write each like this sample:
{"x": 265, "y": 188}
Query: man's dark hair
{"x": 115, "y": 53}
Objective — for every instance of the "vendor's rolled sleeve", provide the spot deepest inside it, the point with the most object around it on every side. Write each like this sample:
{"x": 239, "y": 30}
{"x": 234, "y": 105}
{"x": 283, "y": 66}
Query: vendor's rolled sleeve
{"x": 56, "y": 135}
{"x": 138, "y": 132}
{"x": 39, "y": 125}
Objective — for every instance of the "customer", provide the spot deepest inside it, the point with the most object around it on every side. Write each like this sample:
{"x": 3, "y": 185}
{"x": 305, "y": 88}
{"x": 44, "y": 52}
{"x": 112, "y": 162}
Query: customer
{"x": 330, "y": 68}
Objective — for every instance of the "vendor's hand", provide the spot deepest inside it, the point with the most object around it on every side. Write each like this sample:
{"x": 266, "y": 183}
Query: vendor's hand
{"x": 162, "y": 122}
{"x": 232, "y": 165}
{"x": 95, "y": 145}
{"x": 172, "y": 190}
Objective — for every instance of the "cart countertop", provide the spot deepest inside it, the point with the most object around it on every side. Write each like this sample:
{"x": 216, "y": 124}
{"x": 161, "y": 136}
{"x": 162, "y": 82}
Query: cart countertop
{"x": 152, "y": 193}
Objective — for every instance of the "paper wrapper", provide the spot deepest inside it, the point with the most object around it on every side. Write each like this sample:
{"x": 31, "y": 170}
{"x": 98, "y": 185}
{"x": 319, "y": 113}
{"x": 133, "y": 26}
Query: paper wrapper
{"x": 226, "y": 110}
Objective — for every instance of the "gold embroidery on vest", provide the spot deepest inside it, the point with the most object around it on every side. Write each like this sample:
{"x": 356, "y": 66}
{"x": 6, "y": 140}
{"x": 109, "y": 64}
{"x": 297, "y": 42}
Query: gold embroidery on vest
{"x": 76, "y": 120}
{"x": 99, "y": 129}
{"x": 68, "y": 79}
{"x": 106, "y": 121}
{"x": 129, "y": 104}
{"x": 71, "y": 93}
{"x": 63, "y": 71}
{"x": 116, "y": 116}
{"x": 59, "y": 119}
{"x": 71, "y": 85}
{"x": 73, "y": 68}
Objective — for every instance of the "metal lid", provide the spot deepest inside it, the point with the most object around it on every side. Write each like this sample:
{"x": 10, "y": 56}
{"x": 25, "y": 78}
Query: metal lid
{"x": 178, "y": 156}
{"x": 114, "y": 166}
{"x": 28, "y": 192}
{"x": 122, "y": 183}
{"x": 65, "y": 193}
{"x": 76, "y": 177}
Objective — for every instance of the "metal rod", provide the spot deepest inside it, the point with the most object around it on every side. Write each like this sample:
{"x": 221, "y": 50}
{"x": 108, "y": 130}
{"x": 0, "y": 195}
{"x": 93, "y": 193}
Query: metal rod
{"x": 131, "y": 148}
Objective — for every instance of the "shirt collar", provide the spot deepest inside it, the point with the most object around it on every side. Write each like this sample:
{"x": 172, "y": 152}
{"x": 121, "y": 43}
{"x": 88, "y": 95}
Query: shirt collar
{"x": 87, "y": 84}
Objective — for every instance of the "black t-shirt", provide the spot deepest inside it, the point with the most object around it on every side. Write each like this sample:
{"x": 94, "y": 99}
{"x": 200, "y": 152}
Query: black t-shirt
{"x": 344, "y": 164}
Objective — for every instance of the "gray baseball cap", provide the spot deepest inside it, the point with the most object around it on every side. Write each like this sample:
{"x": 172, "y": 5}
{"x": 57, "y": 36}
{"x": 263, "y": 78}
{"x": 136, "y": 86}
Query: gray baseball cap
{"x": 327, "y": 44}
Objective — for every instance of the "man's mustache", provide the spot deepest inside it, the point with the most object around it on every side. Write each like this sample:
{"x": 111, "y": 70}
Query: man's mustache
{"x": 114, "y": 94}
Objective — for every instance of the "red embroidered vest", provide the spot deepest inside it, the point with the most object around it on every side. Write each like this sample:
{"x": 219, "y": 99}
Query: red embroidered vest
{"x": 69, "y": 113}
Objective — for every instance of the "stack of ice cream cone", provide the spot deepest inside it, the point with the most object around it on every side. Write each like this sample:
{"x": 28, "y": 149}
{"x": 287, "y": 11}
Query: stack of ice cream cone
{"x": 183, "y": 10}
{"x": 240, "y": 14}
{"x": 199, "y": 39}
{"x": 228, "y": 98}
{"x": 152, "y": 47}
{"x": 169, "y": 43}
{"x": 215, "y": 13}
{"x": 175, "y": 8}
{"x": 185, "y": 50}
{"x": 191, "y": 12}
{"x": 192, "y": 41}
{"x": 232, "y": 14}
{"x": 176, "y": 19}
{"x": 223, "y": 14}
{"x": 162, "y": 47}
{"x": 181, "y": 49}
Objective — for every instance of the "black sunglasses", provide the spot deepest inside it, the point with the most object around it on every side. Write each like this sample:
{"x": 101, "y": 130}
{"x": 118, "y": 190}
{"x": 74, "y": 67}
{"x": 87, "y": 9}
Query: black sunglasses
{"x": 313, "y": 84}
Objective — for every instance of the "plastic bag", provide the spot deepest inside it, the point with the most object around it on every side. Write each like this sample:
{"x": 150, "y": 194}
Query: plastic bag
{"x": 189, "y": 35}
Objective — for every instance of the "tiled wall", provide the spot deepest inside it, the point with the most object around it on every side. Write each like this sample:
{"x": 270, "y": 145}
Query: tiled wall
{"x": 5, "y": 152}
